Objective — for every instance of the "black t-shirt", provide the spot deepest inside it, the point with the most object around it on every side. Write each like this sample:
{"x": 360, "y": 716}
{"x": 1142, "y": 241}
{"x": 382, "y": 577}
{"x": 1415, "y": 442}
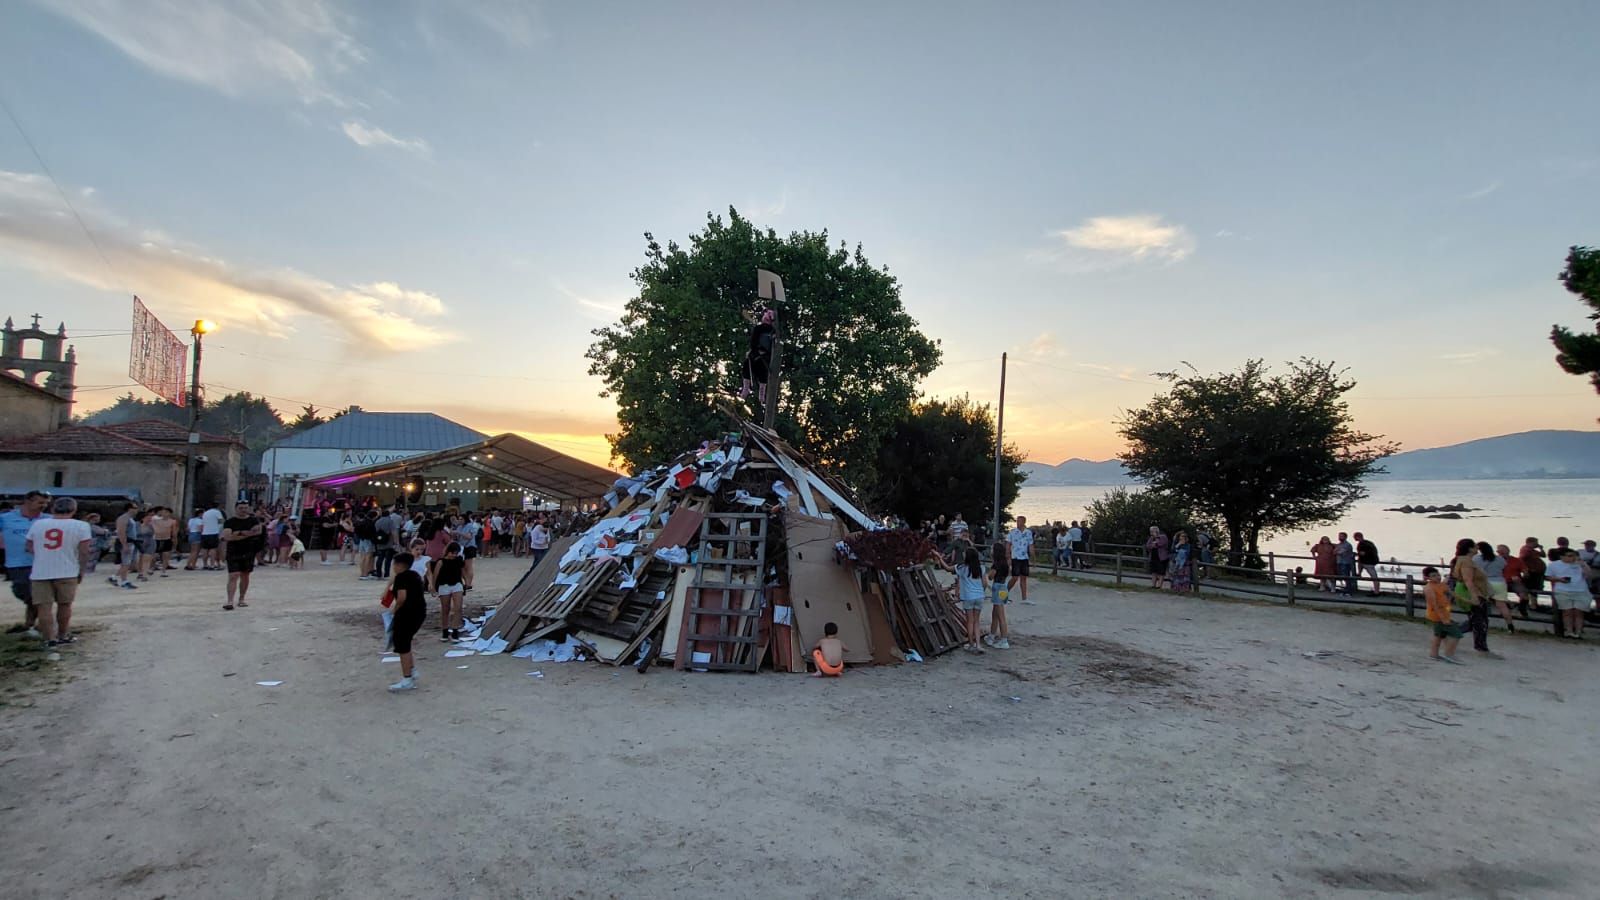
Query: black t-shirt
{"x": 761, "y": 337}
{"x": 243, "y": 547}
{"x": 1366, "y": 552}
{"x": 365, "y": 530}
{"x": 408, "y": 591}
{"x": 451, "y": 570}
{"x": 329, "y": 524}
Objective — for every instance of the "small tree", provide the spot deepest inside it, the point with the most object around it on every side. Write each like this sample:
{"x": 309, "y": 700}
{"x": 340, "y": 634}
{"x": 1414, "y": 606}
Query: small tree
{"x": 1124, "y": 517}
{"x": 1580, "y": 353}
{"x": 1262, "y": 452}
{"x": 939, "y": 460}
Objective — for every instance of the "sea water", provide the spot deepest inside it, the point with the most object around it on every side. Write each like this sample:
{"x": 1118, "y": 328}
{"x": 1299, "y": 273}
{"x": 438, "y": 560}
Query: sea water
{"x": 1506, "y": 512}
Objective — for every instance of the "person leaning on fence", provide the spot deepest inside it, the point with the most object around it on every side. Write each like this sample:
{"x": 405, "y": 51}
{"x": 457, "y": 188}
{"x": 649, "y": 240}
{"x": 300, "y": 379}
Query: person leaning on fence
{"x": 1569, "y": 589}
{"x": 1471, "y": 589}
{"x": 1445, "y": 631}
{"x": 1367, "y": 562}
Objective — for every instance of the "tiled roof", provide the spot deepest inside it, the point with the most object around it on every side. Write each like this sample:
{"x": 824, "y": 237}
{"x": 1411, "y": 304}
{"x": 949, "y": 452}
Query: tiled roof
{"x": 160, "y": 431}
{"x": 83, "y": 440}
{"x": 383, "y": 431}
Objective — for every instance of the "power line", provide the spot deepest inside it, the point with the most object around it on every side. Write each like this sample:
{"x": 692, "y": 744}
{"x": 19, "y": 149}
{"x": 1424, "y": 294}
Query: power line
{"x": 38, "y": 157}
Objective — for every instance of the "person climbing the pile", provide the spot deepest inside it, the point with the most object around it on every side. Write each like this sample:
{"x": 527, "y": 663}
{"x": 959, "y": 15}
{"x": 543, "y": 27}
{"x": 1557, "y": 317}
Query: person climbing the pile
{"x": 829, "y": 652}
{"x": 758, "y": 359}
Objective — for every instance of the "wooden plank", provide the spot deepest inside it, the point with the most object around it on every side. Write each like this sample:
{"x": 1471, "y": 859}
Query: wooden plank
{"x": 527, "y": 589}
{"x": 675, "y": 617}
{"x": 885, "y": 649}
{"x": 680, "y": 530}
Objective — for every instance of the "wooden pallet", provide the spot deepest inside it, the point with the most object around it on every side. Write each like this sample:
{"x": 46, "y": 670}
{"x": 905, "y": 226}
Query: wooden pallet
{"x": 725, "y": 597}
{"x": 511, "y": 614}
{"x": 924, "y": 613}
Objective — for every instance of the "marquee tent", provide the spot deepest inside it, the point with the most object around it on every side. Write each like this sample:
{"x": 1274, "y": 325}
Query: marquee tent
{"x": 509, "y": 458}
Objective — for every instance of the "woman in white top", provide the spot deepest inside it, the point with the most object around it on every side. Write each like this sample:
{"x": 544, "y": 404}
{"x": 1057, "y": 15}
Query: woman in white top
{"x": 1569, "y": 588}
{"x": 1494, "y": 566}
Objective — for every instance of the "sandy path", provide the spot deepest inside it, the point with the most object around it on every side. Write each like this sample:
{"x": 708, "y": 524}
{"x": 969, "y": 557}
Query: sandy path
{"x": 1132, "y": 745}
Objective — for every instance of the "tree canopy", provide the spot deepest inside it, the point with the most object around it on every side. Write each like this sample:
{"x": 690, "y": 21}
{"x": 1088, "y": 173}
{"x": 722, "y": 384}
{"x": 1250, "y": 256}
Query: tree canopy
{"x": 1580, "y": 353}
{"x": 851, "y": 355}
{"x": 241, "y": 415}
{"x": 1124, "y": 517}
{"x": 939, "y": 460}
{"x": 1262, "y": 452}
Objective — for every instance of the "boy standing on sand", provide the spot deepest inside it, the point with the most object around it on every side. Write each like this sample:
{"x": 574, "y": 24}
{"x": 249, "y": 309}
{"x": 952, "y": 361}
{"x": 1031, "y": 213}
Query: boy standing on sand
{"x": 1445, "y": 631}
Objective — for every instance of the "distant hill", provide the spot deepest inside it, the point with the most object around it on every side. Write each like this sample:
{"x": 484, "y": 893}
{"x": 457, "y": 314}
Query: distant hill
{"x": 1530, "y": 454}
{"x": 1076, "y": 471}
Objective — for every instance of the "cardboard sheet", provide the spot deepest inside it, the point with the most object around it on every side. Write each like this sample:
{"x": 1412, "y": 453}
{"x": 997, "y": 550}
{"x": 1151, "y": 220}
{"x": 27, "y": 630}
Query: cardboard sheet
{"x": 821, "y": 590}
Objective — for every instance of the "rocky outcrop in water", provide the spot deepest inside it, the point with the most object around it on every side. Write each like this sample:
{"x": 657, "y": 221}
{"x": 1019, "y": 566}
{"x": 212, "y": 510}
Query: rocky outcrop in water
{"x": 1430, "y": 510}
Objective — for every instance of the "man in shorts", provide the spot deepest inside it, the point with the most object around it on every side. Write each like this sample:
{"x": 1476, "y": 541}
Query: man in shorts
{"x": 165, "y": 528}
{"x": 1021, "y": 541}
{"x": 60, "y": 547}
{"x": 243, "y": 535}
{"x": 19, "y": 562}
{"x": 211, "y": 524}
{"x": 126, "y": 531}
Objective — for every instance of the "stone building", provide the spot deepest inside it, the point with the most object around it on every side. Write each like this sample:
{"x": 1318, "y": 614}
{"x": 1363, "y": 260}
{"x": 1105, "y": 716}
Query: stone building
{"x": 36, "y": 392}
{"x": 142, "y": 460}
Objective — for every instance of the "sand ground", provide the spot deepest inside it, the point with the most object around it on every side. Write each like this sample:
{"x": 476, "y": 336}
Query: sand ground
{"x": 1131, "y": 745}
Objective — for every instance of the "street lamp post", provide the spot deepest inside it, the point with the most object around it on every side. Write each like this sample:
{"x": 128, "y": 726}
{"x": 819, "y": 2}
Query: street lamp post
{"x": 201, "y": 328}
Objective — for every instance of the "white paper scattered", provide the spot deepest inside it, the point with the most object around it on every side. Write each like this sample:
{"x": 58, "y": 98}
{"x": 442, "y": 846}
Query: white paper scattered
{"x": 390, "y": 659}
{"x": 546, "y": 650}
{"x": 913, "y": 656}
{"x": 783, "y": 615}
{"x": 781, "y": 490}
{"x": 626, "y": 549}
{"x": 463, "y": 667}
{"x": 269, "y": 683}
{"x": 537, "y": 674}
{"x": 489, "y": 645}
{"x": 675, "y": 555}
{"x": 628, "y": 583}
{"x": 568, "y": 577}
{"x": 457, "y": 654}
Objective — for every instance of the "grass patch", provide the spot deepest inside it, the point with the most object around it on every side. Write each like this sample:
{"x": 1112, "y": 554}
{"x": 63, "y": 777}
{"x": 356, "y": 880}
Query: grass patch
{"x": 24, "y": 670}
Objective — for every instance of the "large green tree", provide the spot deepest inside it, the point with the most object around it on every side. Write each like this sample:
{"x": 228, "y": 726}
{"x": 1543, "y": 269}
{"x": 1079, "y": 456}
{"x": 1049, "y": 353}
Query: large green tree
{"x": 851, "y": 355}
{"x": 939, "y": 460}
{"x": 1580, "y": 353}
{"x": 1263, "y": 452}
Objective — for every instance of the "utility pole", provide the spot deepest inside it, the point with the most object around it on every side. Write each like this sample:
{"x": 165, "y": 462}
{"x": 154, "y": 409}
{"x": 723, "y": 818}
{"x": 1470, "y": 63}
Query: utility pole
{"x": 200, "y": 329}
{"x": 999, "y": 445}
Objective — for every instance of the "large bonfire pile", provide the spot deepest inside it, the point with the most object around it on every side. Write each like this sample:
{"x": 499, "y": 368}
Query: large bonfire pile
{"x": 733, "y": 557}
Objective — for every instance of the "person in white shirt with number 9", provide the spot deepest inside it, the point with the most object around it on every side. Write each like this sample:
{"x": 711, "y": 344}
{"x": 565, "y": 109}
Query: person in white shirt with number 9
{"x": 60, "y": 547}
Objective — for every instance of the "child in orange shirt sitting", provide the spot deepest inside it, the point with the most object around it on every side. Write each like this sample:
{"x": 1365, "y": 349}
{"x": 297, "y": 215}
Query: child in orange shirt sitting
{"x": 829, "y": 652}
{"x": 1445, "y": 631}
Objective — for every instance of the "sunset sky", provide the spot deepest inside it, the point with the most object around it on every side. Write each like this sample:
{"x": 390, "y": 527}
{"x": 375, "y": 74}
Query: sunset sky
{"x": 419, "y": 205}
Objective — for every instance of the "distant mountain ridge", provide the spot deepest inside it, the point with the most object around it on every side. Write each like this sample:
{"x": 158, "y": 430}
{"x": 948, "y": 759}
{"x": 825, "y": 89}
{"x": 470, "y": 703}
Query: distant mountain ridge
{"x": 1527, "y": 454}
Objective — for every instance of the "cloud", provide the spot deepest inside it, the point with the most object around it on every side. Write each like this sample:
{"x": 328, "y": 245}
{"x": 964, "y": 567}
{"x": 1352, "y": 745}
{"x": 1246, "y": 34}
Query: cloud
{"x": 38, "y": 232}
{"x": 1482, "y": 192}
{"x": 261, "y": 48}
{"x": 594, "y": 309}
{"x": 1131, "y": 238}
{"x": 1467, "y": 357}
{"x": 371, "y": 136}
{"x": 1044, "y": 345}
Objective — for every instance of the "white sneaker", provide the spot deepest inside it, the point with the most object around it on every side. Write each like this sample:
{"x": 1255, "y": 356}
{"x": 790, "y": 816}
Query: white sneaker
{"x": 32, "y": 633}
{"x": 404, "y": 684}
{"x": 1002, "y": 644}
{"x": 988, "y": 640}
{"x": 326, "y": 563}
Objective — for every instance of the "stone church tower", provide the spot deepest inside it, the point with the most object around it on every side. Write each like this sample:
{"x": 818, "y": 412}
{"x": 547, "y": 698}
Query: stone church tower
{"x": 57, "y": 368}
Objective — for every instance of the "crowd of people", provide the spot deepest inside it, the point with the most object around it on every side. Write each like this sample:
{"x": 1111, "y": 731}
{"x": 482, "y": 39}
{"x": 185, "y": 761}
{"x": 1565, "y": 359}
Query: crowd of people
{"x": 47, "y": 544}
